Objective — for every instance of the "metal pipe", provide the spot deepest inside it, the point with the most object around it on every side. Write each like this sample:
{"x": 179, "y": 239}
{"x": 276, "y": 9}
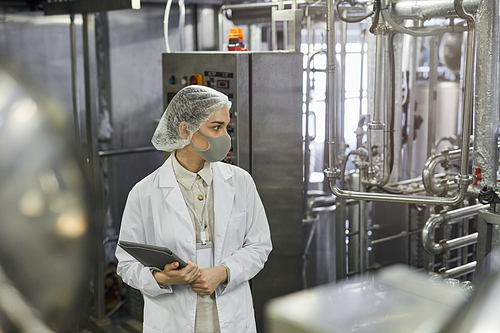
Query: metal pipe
{"x": 419, "y": 32}
{"x": 469, "y": 86}
{"x": 463, "y": 180}
{"x": 411, "y": 108}
{"x": 74, "y": 82}
{"x": 427, "y": 9}
{"x": 307, "y": 142}
{"x": 379, "y": 119}
{"x": 330, "y": 72}
{"x": 124, "y": 151}
{"x": 380, "y": 73}
{"x": 307, "y": 151}
{"x": 453, "y": 216}
{"x": 456, "y": 243}
{"x": 432, "y": 93}
{"x": 487, "y": 115}
{"x": 460, "y": 270}
{"x": 444, "y": 158}
{"x": 363, "y": 36}
{"x": 91, "y": 115}
{"x": 363, "y": 221}
{"x": 402, "y": 234}
{"x": 430, "y": 166}
{"x": 341, "y": 111}
{"x": 462, "y": 184}
{"x": 182, "y": 24}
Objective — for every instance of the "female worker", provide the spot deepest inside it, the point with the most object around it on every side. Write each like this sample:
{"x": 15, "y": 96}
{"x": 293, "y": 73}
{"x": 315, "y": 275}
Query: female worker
{"x": 208, "y": 213}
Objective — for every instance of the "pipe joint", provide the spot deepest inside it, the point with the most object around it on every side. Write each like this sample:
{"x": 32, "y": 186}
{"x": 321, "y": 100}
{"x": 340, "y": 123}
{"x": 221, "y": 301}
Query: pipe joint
{"x": 376, "y": 125}
{"x": 443, "y": 246}
{"x": 332, "y": 173}
{"x": 463, "y": 180}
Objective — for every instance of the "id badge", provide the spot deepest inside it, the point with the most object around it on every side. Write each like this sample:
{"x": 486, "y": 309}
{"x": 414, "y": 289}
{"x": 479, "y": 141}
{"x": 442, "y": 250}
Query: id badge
{"x": 205, "y": 255}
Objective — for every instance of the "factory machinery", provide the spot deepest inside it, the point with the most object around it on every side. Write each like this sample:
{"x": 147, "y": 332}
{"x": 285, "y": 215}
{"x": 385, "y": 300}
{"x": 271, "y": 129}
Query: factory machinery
{"x": 414, "y": 181}
{"x": 404, "y": 193}
{"x": 417, "y": 185}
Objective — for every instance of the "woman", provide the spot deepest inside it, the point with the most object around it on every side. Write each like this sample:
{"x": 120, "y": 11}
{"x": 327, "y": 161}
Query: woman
{"x": 208, "y": 213}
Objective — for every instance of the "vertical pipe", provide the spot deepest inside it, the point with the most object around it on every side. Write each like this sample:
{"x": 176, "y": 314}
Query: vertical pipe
{"x": 74, "y": 83}
{"x": 182, "y": 24}
{"x": 487, "y": 92}
{"x": 340, "y": 250}
{"x": 411, "y": 110}
{"x": 469, "y": 94}
{"x": 307, "y": 152}
{"x": 363, "y": 36}
{"x": 432, "y": 116}
{"x": 376, "y": 133}
{"x": 274, "y": 45}
{"x": 92, "y": 116}
{"x": 330, "y": 71}
{"x": 380, "y": 74}
{"x": 465, "y": 232}
{"x": 219, "y": 30}
{"x": 363, "y": 220}
{"x": 397, "y": 91}
{"x": 343, "y": 56}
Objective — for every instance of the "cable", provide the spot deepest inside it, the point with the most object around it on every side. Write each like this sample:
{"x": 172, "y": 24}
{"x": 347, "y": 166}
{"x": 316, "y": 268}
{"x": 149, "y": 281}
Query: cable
{"x": 342, "y": 181}
{"x": 165, "y": 24}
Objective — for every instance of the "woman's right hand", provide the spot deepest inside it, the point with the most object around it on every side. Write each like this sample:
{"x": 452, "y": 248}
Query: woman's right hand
{"x": 171, "y": 275}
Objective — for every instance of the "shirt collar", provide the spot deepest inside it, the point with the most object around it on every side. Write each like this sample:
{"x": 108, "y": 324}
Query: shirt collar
{"x": 187, "y": 178}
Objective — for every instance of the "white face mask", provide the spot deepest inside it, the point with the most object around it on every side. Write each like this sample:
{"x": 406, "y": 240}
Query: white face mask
{"x": 217, "y": 148}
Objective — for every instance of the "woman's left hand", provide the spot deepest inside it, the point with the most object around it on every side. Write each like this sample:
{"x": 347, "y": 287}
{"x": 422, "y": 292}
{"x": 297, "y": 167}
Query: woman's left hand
{"x": 209, "y": 280}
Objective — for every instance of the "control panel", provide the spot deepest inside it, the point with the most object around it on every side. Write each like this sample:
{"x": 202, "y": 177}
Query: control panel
{"x": 220, "y": 71}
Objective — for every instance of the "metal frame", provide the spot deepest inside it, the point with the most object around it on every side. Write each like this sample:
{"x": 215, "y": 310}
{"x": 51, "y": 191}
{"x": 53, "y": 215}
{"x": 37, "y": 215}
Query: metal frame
{"x": 88, "y": 6}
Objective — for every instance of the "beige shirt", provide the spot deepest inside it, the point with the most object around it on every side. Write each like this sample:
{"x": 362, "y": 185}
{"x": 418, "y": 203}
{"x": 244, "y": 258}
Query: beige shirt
{"x": 194, "y": 187}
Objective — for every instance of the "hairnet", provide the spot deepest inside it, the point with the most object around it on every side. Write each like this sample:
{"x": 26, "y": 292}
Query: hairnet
{"x": 192, "y": 104}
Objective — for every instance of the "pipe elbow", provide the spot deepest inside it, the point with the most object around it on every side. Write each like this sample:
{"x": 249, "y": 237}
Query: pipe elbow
{"x": 428, "y": 174}
{"x": 428, "y": 235}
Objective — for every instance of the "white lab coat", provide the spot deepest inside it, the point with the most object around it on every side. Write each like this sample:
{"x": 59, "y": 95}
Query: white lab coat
{"x": 156, "y": 214}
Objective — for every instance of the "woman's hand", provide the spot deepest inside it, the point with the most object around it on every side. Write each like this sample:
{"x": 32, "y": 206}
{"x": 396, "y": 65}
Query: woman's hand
{"x": 171, "y": 275}
{"x": 209, "y": 279}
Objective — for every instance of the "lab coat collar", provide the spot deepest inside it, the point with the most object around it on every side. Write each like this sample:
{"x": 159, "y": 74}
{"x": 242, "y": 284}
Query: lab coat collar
{"x": 224, "y": 194}
{"x": 172, "y": 191}
{"x": 166, "y": 174}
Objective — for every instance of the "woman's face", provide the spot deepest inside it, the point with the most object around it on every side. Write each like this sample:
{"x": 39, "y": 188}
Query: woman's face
{"x": 214, "y": 127}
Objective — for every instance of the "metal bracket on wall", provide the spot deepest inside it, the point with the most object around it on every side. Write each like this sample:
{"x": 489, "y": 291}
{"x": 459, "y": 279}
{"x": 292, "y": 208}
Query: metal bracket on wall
{"x": 56, "y": 7}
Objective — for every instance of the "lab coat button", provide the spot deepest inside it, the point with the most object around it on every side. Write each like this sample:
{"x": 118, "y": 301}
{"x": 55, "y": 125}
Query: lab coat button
{"x": 198, "y": 177}
{"x": 188, "y": 328}
{"x": 200, "y": 197}
{"x": 189, "y": 240}
{"x": 191, "y": 298}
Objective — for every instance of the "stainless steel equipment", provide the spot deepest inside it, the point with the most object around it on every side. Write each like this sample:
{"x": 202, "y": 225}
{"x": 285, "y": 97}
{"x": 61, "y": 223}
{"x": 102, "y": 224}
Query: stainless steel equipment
{"x": 45, "y": 229}
{"x": 394, "y": 300}
{"x": 266, "y": 116}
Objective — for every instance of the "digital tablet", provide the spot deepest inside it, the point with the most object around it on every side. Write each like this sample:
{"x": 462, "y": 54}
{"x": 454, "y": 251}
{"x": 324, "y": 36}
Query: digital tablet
{"x": 150, "y": 255}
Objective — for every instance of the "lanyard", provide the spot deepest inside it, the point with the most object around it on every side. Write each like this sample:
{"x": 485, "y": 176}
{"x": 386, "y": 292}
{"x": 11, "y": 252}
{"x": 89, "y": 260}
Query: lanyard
{"x": 203, "y": 234}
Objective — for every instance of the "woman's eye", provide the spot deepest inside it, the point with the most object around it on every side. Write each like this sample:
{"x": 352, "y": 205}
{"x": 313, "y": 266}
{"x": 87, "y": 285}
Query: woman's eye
{"x": 216, "y": 128}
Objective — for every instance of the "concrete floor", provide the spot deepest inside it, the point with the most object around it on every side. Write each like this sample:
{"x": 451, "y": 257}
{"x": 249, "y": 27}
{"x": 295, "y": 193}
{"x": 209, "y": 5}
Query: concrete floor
{"x": 120, "y": 322}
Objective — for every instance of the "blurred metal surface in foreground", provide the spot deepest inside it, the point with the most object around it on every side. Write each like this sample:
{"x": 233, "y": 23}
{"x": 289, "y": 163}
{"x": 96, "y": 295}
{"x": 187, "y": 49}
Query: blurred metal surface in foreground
{"x": 393, "y": 300}
{"x": 45, "y": 252}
